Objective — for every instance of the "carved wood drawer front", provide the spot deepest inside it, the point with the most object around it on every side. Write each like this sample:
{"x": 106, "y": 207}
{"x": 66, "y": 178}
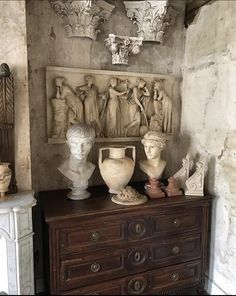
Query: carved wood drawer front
{"x": 175, "y": 276}
{"x": 148, "y": 283}
{"x": 78, "y": 238}
{"x": 175, "y": 221}
{"x": 173, "y": 251}
{"x": 91, "y": 267}
{"x": 138, "y": 257}
{"x": 138, "y": 229}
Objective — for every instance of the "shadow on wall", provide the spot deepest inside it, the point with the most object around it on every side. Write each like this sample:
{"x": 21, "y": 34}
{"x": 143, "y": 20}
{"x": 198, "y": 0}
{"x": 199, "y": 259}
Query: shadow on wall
{"x": 177, "y": 148}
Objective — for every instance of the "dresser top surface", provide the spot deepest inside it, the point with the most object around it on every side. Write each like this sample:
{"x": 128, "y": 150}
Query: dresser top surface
{"x": 56, "y": 205}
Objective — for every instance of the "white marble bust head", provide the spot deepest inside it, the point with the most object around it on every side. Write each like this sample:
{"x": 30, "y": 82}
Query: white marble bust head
{"x": 154, "y": 143}
{"x": 80, "y": 138}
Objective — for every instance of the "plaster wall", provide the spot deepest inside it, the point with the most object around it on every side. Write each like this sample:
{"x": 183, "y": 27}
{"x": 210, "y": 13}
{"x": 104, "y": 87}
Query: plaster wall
{"x": 208, "y": 127}
{"x": 49, "y": 46}
{"x": 13, "y": 51}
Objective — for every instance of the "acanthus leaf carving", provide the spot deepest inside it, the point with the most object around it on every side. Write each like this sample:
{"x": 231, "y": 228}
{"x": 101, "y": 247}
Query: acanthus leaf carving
{"x": 82, "y": 17}
{"x": 152, "y": 17}
{"x": 121, "y": 47}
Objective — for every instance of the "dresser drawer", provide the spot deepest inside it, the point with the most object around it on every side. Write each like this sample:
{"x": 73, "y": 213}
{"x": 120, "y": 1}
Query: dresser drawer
{"x": 176, "y": 221}
{"x": 93, "y": 235}
{"x": 148, "y": 283}
{"x": 88, "y": 268}
{"x": 175, "y": 276}
{"x": 162, "y": 252}
{"x": 174, "y": 251}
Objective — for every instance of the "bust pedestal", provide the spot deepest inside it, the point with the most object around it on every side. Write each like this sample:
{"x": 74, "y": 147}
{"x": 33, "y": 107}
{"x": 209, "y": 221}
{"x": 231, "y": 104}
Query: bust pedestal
{"x": 16, "y": 244}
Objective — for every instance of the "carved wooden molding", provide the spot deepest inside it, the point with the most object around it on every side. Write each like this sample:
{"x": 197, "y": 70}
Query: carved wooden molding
{"x": 121, "y": 47}
{"x": 82, "y": 17}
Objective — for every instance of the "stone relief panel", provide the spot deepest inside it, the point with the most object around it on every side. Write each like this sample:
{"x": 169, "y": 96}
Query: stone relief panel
{"x": 82, "y": 17}
{"x": 152, "y": 17}
{"x": 121, "y": 106}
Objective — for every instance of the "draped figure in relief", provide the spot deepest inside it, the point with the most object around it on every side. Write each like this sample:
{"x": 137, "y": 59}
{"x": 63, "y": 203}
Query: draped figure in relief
{"x": 113, "y": 113}
{"x": 89, "y": 93}
{"x": 166, "y": 104}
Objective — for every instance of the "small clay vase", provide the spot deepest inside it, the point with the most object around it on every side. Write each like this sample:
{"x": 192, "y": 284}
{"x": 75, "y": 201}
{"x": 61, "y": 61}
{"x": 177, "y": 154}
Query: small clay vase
{"x": 153, "y": 189}
{"x": 172, "y": 189}
{"x": 5, "y": 178}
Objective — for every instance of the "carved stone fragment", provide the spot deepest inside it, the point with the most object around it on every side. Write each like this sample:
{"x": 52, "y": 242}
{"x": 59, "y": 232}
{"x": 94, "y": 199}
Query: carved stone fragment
{"x": 152, "y": 17}
{"x": 183, "y": 174}
{"x": 195, "y": 183}
{"x": 82, "y": 17}
{"x": 121, "y": 47}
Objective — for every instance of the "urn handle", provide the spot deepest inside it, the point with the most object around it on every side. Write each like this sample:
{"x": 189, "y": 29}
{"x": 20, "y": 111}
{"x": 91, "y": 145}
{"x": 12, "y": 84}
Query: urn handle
{"x": 133, "y": 151}
{"x": 100, "y": 161}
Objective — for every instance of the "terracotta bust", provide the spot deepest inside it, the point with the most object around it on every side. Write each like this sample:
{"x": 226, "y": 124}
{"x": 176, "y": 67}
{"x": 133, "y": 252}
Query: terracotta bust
{"x": 80, "y": 138}
{"x": 154, "y": 143}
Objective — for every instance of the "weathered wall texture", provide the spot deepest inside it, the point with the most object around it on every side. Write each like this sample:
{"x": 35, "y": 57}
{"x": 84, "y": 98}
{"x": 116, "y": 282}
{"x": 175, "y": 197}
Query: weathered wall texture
{"x": 209, "y": 125}
{"x": 48, "y": 45}
{"x": 13, "y": 51}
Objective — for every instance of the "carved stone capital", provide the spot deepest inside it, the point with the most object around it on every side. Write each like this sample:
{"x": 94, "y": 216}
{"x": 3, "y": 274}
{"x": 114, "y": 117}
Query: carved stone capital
{"x": 152, "y": 18}
{"x": 82, "y": 17}
{"x": 121, "y": 47}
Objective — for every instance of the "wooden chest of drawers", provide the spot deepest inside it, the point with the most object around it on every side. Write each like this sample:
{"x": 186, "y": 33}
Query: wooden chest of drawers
{"x": 98, "y": 247}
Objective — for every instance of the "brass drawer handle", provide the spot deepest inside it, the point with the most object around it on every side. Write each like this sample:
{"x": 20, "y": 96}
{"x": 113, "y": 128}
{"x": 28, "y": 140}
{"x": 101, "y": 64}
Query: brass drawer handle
{"x": 137, "y": 256}
{"x": 137, "y": 285}
{"x": 175, "y": 277}
{"x": 175, "y": 250}
{"x": 95, "y": 236}
{"x": 95, "y": 267}
{"x": 138, "y": 228}
{"x": 176, "y": 222}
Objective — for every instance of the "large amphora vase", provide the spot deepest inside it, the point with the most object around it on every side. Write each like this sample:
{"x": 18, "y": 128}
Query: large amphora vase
{"x": 5, "y": 177}
{"x": 117, "y": 169}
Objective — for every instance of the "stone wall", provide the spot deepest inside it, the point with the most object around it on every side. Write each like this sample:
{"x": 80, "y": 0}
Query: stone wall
{"x": 13, "y": 51}
{"x": 48, "y": 45}
{"x": 209, "y": 128}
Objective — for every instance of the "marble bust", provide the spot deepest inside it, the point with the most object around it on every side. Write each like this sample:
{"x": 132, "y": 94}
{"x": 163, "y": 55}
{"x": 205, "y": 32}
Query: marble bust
{"x": 154, "y": 143}
{"x": 80, "y": 138}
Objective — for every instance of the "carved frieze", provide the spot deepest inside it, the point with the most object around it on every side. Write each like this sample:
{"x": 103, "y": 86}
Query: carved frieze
{"x": 152, "y": 17}
{"x": 82, "y": 17}
{"x": 120, "y": 106}
{"x": 121, "y": 47}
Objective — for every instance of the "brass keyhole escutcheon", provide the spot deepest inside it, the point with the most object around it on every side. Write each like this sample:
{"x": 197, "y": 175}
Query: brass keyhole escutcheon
{"x": 137, "y": 285}
{"x": 137, "y": 256}
{"x": 138, "y": 228}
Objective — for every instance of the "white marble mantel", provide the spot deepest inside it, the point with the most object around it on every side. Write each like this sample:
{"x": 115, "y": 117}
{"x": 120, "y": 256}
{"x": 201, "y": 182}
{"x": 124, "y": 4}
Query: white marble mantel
{"x": 16, "y": 244}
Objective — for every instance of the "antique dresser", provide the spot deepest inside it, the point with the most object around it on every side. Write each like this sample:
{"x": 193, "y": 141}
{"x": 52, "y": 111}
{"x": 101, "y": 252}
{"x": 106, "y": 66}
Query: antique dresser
{"x": 96, "y": 247}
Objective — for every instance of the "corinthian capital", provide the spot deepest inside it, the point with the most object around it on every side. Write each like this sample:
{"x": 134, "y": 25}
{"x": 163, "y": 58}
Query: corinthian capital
{"x": 121, "y": 47}
{"x": 82, "y": 17}
{"x": 152, "y": 18}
